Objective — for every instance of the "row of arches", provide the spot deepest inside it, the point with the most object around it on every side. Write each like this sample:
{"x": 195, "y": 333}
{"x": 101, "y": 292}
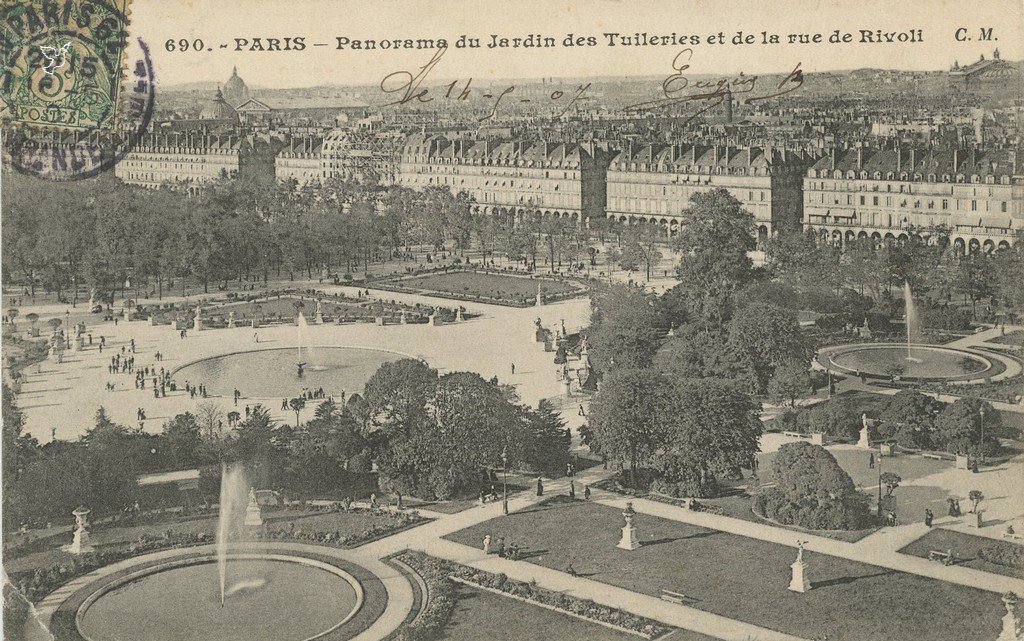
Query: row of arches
{"x": 961, "y": 244}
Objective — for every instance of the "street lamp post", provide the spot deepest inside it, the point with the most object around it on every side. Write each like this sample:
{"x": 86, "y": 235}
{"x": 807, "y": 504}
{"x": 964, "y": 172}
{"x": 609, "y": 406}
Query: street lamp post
{"x": 504, "y": 480}
{"x": 879, "y": 466}
{"x": 981, "y": 412}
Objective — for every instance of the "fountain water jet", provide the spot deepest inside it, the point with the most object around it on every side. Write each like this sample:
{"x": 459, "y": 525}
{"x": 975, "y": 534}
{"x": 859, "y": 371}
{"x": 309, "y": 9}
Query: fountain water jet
{"x": 300, "y": 325}
{"x": 912, "y": 322}
{"x": 234, "y": 495}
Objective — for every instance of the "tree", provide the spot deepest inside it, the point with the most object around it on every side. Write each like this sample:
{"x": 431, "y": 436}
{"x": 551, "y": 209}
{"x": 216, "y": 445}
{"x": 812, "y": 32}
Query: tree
{"x": 958, "y": 428}
{"x": 111, "y": 461}
{"x": 547, "y": 450}
{"x": 182, "y": 437}
{"x": 975, "y": 279}
{"x": 1008, "y": 268}
{"x": 799, "y": 259}
{"x": 716, "y": 237}
{"x": 297, "y": 404}
{"x": 398, "y": 392}
{"x": 763, "y": 337}
{"x": 622, "y": 327}
{"x": 811, "y": 491}
{"x": 909, "y": 418}
{"x": 976, "y": 497}
{"x": 694, "y": 353}
{"x": 639, "y": 248}
{"x": 834, "y": 417}
{"x": 711, "y": 428}
{"x": 627, "y": 414}
{"x": 209, "y": 416}
{"x": 891, "y": 481}
{"x": 789, "y": 381}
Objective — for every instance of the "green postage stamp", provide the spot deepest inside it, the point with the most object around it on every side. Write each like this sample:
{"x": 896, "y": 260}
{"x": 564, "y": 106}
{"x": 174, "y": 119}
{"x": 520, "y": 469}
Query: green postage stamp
{"x": 62, "y": 62}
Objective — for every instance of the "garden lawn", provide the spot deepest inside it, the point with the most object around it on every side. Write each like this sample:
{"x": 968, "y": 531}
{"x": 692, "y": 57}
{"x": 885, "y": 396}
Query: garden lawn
{"x": 347, "y": 523}
{"x": 1015, "y": 337}
{"x": 745, "y": 578}
{"x": 498, "y": 286}
{"x": 965, "y": 547}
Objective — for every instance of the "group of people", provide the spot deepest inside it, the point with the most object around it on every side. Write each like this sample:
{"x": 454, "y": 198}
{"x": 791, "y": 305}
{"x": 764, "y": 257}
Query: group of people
{"x": 195, "y": 390}
{"x": 512, "y": 552}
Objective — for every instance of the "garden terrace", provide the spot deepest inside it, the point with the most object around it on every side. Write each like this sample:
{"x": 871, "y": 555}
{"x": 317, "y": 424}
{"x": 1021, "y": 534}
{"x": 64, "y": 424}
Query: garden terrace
{"x": 496, "y": 288}
{"x": 283, "y": 308}
{"x": 339, "y": 528}
{"x": 744, "y": 578}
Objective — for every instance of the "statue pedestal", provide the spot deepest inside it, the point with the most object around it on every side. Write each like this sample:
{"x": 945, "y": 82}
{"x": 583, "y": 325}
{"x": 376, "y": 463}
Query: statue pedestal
{"x": 800, "y": 582}
{"x": 80, "y": 544}
{"x": 458, "y": 315}
{"x": 253, "y": 515}
{"x": 231, "y": 320}
{"x": 629, "y": 540}
{"x": 197, "y": 324}
{"x": 379, "y": 321}
{"x": 319, "y": 318}
{"x": 1013, "y": 623}
{"x": 864, "y": 442}
{"x": 432, "y": 321}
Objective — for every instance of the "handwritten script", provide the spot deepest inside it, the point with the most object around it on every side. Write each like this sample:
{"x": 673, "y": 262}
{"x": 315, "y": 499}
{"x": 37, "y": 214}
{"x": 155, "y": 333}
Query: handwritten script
{"x": 678, "y": 88}
{"x": 408, "y": 87}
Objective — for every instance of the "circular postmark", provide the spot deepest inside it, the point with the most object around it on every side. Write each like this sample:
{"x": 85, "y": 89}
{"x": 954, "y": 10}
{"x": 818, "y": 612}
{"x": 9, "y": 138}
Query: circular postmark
{"x": 77, "y": 154}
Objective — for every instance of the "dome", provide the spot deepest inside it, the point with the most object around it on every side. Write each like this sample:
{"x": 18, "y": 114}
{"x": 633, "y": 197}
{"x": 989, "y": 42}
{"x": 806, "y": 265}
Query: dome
{"x": 217, "y": 109}
{"x": 235, "y": 90}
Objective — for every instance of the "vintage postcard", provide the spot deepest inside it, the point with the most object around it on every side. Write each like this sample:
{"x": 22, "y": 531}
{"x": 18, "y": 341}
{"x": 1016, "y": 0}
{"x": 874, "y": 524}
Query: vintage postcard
{"x": 402, "y": 320}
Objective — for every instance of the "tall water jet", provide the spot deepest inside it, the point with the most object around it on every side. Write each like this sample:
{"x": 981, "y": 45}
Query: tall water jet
{"x": 233, "y": 500}
{"x": 300, "y": 324}
{"x": 912, "y": 321}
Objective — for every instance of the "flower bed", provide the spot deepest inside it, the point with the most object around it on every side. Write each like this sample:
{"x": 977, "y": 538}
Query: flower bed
{"x": 1011, "y": 556}
{"x": 438, "y": 572}
{"x": 510, "y": 289}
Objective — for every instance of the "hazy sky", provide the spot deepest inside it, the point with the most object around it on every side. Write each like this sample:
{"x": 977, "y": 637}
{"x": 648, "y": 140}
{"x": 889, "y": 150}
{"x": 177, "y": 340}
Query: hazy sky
{"x": 219, "y": 22}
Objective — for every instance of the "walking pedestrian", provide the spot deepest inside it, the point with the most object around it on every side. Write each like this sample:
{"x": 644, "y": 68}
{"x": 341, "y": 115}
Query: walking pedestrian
{"x": 572, "y": 490}
{"x": 871, "y": 461}
{"x": 513, "y": 369}
{"x": 586, "y": 492}
{"x": 928, "y": 517}
{"x": 540, "y": 487}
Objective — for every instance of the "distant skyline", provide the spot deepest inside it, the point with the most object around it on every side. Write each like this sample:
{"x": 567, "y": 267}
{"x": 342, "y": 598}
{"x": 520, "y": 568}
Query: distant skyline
{"x": 320, "y": 21}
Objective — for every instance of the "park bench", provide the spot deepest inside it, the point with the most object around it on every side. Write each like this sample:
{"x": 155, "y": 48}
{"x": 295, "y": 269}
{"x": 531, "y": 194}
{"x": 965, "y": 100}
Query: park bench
{"x": 946, "y": 558}
{"x": 676, "y": 597}
{"x": 796, "y": 434}
{"x": 937, "y": 457}
{"x": 1012, "y": 536}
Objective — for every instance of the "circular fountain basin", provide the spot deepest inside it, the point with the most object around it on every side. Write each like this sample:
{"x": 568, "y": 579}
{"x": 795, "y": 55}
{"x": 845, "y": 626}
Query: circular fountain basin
{"x": 273, "y": 373}
{"x": 269, "y": 597}
{"x": 918, "y": 362}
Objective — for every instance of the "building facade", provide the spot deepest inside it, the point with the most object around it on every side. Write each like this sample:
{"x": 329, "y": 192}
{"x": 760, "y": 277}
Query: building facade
{"x": 191, "y": 160}
{"x": 654, "y": 183}
{"x": 511, "y": 177}
{"x": 973, "y": 198}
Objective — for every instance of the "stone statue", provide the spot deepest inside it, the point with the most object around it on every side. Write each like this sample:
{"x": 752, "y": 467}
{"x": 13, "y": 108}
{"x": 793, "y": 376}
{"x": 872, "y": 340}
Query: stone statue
{"x": 629, "y": 540}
